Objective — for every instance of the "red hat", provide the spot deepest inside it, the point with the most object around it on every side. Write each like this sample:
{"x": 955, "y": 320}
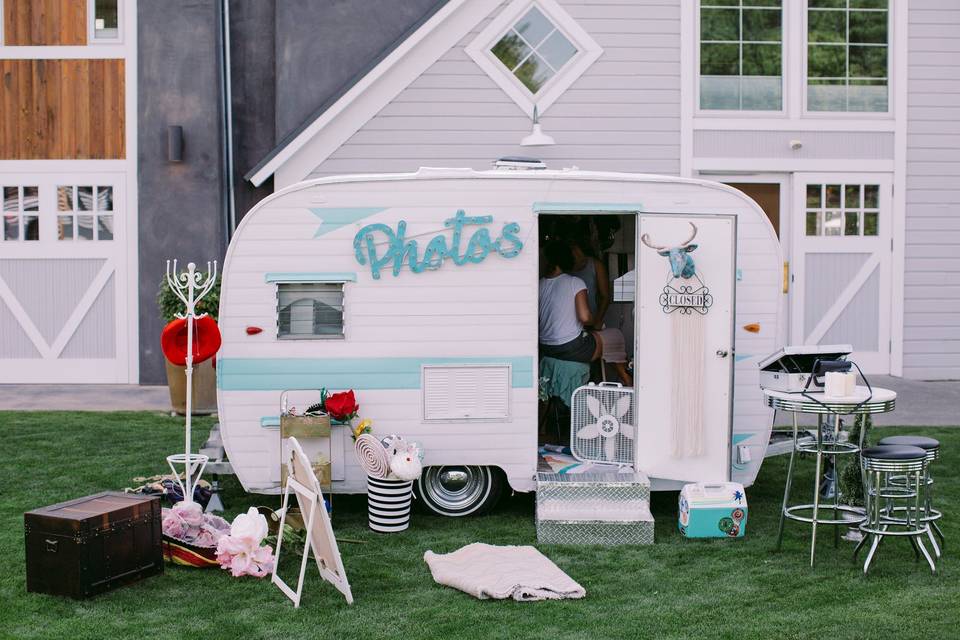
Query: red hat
{"x": 206, "y": 340}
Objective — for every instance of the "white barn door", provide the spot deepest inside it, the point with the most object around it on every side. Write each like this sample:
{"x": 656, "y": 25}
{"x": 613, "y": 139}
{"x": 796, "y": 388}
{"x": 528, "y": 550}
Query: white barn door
{"x": 663, "y": 367}
{"x": 63, "y": 290}
{"x": 841, "y": 264}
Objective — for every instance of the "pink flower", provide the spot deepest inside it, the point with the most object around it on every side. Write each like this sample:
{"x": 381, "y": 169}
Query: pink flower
{"x": 173, "y": 525}
{"x": 241, "y": 556}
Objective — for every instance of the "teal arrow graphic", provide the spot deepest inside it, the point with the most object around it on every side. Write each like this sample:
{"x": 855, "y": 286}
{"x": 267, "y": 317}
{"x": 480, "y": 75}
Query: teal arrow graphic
{"x": 332, "y": 218}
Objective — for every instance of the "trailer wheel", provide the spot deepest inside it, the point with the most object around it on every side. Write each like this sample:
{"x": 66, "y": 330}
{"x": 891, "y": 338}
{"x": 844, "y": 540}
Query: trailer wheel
{"x": 456, "y": 491}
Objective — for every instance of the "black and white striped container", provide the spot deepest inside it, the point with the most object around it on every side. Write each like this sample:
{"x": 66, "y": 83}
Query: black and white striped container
{"x": 388, "y": 504}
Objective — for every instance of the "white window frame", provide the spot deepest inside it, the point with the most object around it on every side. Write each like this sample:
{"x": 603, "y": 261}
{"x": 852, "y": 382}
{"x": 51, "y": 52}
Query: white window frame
{"x": 507, "y": 417}
{"x": 858, "y": 115}
{"x": 92, "y": 38}
{"x": 785, "y": 23}
{"x": 587, "y": 53}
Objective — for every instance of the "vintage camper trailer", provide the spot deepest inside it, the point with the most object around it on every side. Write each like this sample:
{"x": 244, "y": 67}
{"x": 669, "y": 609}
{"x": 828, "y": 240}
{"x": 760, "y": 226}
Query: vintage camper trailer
{"x": 419, "y": 291}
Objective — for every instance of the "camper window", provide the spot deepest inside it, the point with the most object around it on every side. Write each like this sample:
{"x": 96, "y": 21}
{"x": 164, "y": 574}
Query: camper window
{"x": 309, "y": 310}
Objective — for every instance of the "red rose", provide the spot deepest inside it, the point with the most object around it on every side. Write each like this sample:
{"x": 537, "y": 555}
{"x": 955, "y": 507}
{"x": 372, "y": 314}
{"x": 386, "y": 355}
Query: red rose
{"x": 342, "y": 406}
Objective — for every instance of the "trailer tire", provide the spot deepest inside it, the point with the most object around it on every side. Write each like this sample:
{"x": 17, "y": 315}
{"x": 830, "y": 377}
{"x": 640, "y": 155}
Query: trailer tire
{"x": 456, "y": 491}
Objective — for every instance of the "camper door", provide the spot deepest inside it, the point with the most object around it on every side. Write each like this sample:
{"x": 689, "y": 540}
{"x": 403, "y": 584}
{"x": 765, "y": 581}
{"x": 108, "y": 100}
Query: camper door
{"x": 684, "y": 346}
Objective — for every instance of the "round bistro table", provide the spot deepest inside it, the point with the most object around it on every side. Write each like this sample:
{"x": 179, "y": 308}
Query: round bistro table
{"x": 860, "y": 403}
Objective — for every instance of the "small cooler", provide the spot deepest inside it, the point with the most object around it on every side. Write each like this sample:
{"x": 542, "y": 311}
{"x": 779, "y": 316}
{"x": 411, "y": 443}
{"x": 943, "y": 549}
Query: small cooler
{"x": 713, "y": 510}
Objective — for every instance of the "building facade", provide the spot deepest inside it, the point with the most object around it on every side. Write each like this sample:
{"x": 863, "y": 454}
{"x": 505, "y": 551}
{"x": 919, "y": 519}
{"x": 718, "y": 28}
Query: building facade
{"x": 840, "y": 117}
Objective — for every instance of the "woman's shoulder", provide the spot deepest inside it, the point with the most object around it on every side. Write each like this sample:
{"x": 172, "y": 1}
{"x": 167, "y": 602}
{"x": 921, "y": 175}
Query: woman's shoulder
{"x": 576, "y": 282}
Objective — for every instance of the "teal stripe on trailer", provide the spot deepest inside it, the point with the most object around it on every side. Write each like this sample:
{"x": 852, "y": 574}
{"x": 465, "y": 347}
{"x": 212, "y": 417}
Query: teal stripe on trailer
{"x": 622, "y": 207}
{"x": 271, "y": 374}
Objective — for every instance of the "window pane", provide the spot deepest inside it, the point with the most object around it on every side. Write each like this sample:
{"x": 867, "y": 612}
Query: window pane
{"x": 719, "y": 92}
{"x": 534, "y": 27}
{"x": 31, "y": 228}
{"x": 868, "y": 4}
{"x": 868, "y": 62}
{"x": 11, "y": 227}
{"x": 534, "y": 73}
{"x": 84, "y": 198}
{"x": 871, "y": 196}
{"x": 826, "y": 26}
{"x": 65, "y": 227}
{"x": 826, "y": 95}
{"x": 813, "y": 223}
{"x": 719, "y": 24}
{"x": 760, "y": 3}
{"x": 105, "y": 22}
{"x": 851, "y": 223}
{"x": 761, "y": 25}
{"x": 510, "y": 50}
{"x": 104, "y": 198}
{"x": 867, "y": 95}
{"x": 868, "y": 27}
{"x": 64, "y": 198}
{"x": 761, "y": 94}
{"x": 557, "y": 50}
{"x": 851, "y": 198}
{"x": 870, "y": 223}
{"x": 827, "y": 4}
{"x": 104, "y": 227}
{"x": 85, "y": 227}
{"x": 826, "y": 61}
{"x": 814, "y": 196}
{"x": 31, "y": 199}
{"x": 832, "y": 221}
{"x": 833, "y": 195}
{"x": 306, "y": 310}
{"x": 719, "y": 59}
{"x": 11, "y": 199}
{"x": 761, "y": 60}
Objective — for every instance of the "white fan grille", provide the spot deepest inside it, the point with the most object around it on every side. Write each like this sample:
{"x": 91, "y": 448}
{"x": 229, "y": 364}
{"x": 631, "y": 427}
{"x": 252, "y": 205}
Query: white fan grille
{"x": 602, "y": 424}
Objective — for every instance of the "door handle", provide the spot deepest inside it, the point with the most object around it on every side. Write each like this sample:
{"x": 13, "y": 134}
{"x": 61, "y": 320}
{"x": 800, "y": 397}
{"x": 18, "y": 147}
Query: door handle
{"x": 722, "y": 353}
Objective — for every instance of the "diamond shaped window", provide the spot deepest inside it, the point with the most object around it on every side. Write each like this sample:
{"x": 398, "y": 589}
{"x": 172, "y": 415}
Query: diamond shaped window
{"x": 534, "y": 51}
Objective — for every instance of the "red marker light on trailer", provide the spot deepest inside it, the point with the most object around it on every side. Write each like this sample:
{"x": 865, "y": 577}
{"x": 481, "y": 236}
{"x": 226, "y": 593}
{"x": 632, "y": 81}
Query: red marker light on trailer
{"x": 252, "y": 331}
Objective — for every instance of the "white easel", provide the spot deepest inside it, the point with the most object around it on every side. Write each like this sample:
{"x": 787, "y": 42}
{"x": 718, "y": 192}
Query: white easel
{"x": 302, "y": 481}
{"x": 190, "y": 287}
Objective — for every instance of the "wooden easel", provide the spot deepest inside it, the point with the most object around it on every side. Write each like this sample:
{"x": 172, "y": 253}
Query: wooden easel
{"x": 320, "y": 539}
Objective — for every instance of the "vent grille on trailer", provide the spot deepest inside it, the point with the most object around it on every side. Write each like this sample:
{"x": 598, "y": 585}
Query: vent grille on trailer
{"x": 602, "y": 424}
{"x": 466, "y": 392}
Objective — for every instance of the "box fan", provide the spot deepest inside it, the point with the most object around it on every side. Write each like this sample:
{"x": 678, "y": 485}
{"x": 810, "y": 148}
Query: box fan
{"x": 602, "y": 422}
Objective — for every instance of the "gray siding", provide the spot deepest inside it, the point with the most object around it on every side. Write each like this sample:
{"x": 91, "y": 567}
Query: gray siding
{"x": 623, "y": 114}
{"x": 932, "y": 293}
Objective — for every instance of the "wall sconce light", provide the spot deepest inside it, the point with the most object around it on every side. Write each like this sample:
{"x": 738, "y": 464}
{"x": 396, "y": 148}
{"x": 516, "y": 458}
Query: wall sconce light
{"x": 537, "y": 137}
{"x": 175, "y": 143}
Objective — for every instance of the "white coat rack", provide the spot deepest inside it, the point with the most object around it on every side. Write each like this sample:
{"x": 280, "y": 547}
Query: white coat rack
{"x": 190, "y": 287}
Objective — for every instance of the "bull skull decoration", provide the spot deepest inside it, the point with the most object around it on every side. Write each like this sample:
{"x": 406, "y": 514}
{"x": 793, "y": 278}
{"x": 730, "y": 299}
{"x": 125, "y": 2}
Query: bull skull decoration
{"x": 685, "y": 298}
{"x": 681, "y": 262}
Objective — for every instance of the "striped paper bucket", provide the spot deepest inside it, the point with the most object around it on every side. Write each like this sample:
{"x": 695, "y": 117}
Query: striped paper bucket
{"x": 388, "y": 504}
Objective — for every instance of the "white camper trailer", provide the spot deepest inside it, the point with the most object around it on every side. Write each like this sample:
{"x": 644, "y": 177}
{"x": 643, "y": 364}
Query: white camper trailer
{"x": 419, "y": 291}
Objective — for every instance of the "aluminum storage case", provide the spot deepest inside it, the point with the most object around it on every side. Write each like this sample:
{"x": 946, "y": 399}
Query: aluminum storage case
{"x": 602, "y": 509}
{"x": 789, "y": 368}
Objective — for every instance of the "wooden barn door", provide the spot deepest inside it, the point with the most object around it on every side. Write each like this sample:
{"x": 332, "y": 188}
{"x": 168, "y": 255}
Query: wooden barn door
{"x": 63, "y": 304}
{"x": 841, "y": 265}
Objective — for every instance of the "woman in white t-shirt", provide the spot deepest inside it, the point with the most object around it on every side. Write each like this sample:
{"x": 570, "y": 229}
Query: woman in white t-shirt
{"x": 564, "y": 309}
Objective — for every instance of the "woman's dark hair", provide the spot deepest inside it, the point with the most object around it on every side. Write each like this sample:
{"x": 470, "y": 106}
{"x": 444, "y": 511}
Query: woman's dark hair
{"x": 557, "y": 253}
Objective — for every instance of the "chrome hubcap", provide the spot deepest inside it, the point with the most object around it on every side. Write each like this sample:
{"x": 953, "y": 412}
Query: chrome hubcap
{"x": 455, "y": 488}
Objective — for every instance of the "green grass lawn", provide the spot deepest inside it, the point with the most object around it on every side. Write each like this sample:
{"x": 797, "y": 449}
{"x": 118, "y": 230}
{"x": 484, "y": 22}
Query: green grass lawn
{"x": 677, "y": 588}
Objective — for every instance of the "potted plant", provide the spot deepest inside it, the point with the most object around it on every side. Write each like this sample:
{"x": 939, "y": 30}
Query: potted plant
{"x": 204, "y": 373}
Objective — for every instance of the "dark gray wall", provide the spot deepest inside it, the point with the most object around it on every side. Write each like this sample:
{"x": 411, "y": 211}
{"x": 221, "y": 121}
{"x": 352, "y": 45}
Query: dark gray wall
{"x": 253, "y": 88}
{"x": 181, "y": 208}
{"x": 322, "y": 44}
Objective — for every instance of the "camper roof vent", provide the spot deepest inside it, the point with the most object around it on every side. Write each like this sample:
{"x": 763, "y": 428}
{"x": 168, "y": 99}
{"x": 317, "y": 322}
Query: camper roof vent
{"x": 514, "y": 163}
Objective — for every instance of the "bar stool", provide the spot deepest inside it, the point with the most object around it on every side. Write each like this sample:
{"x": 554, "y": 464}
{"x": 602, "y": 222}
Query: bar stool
{"x": 883, "y": 500}
{"x": 930, "y": 515}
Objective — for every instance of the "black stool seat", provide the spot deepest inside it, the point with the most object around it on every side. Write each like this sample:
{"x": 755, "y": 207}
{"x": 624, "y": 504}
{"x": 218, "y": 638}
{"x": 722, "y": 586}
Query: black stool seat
{"x": 889, "y": 452}
{"x": 911, "y": 441}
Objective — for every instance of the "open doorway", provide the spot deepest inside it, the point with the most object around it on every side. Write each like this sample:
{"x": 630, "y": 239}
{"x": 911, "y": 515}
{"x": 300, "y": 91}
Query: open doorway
{"x": 602, "y": 259}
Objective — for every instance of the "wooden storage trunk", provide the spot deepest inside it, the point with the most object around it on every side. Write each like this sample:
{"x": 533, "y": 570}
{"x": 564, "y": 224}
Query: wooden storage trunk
{"x": 94, "y": 544}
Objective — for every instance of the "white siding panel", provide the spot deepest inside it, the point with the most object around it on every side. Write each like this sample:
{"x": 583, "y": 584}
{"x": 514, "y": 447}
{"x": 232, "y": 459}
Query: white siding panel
{"x": 623, "y": 114}
{"x": 931, "y": 345}
{"x": 854, "y": 145}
